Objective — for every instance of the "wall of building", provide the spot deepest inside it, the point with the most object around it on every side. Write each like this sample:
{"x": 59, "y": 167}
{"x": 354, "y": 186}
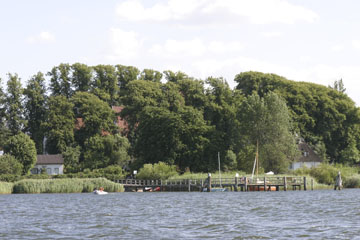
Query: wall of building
{"x": 51, "y": 169}
{"x": 297, "y": 165}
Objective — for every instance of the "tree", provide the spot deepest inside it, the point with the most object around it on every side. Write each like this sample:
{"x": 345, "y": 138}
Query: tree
{"x": 266, "y": 122}
{"x": 23, "y": 149}
{"x": 35, "y": 109}
{"x": 96, "y": 116}
{"x": 175, "y": 77}
{"x": 9, "y": 165}
{"x": 14, "y": 106}
{"x": 4, "y": 132}
{"x": 71, "y": 157}
{"x": 59, "y": 127}
{"x": 105, "y": 84}
{"x": 339, "y": 86}
{"x": 125, "y": 74}
{"x": 172, "y": 137}
{"x": 102, "y": 151}
{"x": 151, "y": 75}
{"x": 81, "y": 77}
{"x": 60, "y": 80}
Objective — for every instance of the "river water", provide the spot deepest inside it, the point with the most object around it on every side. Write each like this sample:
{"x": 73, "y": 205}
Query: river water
{"x": 324, "y": 214}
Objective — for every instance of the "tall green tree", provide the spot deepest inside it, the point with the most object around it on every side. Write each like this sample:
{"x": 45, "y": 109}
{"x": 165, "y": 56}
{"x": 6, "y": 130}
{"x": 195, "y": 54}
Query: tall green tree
{"x": 81, "y": 77}
{"x": 23, "y": 149}
{"x": 14, "y": 105}
{"x": 9, "y": 165}
{"x": 125, "y": 74}
{"x": 59, "y": 125}
{"x": 105, "y": 84}
{"x": 35, "y": 109}
{"x": 103, "y": 151}
{"x": 151, "y": 75}
{"x": 266, "y": 122}
{"x": 96, "y": 116}
{"x": 4, "y": 132}
{"x": 60, "y": 80}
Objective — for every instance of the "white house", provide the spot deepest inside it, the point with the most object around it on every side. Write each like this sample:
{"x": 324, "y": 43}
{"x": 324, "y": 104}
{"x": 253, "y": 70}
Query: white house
{"x": 308, "y": 157}
{"x": 54, "y": 164}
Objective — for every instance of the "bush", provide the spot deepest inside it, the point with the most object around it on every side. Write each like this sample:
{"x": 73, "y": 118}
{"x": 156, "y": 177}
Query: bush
{"x": 6, "y": 188}
{"x": 352, "y": 182}
{"x": 161, "y": 171}
{"x": 10, "y": 177}
{"x": 74, "y": 185}
{"x": 9, "y": 165}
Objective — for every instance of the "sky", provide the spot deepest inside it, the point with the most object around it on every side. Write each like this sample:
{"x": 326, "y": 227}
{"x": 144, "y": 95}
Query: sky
{"x": 302, "y": 40}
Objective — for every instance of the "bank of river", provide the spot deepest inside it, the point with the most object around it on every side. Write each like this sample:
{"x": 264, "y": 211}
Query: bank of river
{"x": 323, "y": 214}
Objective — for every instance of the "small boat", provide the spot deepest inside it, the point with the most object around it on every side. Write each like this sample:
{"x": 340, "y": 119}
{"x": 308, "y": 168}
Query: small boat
{"x": 99, "y": 192}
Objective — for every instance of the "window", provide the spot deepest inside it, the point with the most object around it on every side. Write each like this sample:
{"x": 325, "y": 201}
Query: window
{"x": 48, "y": 170}
{"x": 56, "y": 171}
{"x": 34, "y": 171}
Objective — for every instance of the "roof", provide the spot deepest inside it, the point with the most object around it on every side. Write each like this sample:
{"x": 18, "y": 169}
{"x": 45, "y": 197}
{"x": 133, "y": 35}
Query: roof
{"x": 307, "y": 154}
{"x": 117, "y": 109}
{"x": 50, "y": 159}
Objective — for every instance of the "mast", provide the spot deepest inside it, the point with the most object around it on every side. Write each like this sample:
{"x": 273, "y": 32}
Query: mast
{"x": 219, "y": 169}
{"x": 257, "y": 158}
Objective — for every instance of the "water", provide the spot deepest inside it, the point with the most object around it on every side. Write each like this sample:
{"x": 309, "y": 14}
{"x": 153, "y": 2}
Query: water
{"x": 228, "y": 215}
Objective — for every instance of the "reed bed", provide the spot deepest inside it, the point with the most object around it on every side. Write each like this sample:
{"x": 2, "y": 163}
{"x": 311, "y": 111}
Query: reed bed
{"x": 6, "y": 188}
{"x": 73, "y": 185}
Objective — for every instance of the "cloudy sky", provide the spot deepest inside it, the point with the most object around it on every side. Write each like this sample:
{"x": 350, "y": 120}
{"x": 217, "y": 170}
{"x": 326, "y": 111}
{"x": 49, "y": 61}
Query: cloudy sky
{"x": 303, "y": 40}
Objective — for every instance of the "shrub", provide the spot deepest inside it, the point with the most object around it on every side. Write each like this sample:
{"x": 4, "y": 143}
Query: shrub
{"x": 74, "y": 185}
{"x": 6, "y": 188}
{"x": 9, "y": 165}
{"x": 352, "y": 182}
{"x": 156, "y": 171}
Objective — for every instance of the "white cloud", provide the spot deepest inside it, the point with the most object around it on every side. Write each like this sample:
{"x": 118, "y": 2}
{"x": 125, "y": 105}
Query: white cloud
{"x": 271, "y": 34}
{"x": 193, "y": 48}
{"x": 263, "y": 11}
{"x": 356, "y": 44}
{"x": 43, "y": 37}
{"x": 337, "y": 48}
{"x": 124, "y": 44}
{"x": 133, "y": 10}
{"x": 257, "y": 11}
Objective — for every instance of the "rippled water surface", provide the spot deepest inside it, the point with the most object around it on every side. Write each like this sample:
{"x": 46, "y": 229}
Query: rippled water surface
{"x": 230, "y": 215}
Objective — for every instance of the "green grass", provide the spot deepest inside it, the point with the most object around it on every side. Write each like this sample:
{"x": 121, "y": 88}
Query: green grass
{"x": 66, "y": 185}
{"x": 6, "y": 188}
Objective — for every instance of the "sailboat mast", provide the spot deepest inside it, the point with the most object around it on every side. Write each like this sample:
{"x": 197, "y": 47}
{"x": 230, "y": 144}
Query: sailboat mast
{"x": 257, "y": 158}
{"x": 219, "y": 168}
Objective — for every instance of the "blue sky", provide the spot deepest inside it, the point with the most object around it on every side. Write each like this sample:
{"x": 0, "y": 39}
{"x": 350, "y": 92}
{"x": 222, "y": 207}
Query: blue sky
{"x": 302, "y": 40}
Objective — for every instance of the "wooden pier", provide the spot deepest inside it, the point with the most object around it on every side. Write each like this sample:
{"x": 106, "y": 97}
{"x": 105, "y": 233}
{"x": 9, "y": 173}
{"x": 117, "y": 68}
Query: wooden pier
{"x": 231, "y": 184}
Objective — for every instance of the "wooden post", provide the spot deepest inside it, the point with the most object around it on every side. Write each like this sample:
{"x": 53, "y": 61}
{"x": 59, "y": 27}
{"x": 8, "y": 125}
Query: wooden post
{"x": 209, "y": 183}
{"x": 189, "y": 185}
{"x": 246, "y": 188}
{"x": 264, "y": 183}
{"x": 285, "y": 184}
{"x": 304, "y": 184}
{"x": 236, "y": 182}
{"x": 312, "y": 184}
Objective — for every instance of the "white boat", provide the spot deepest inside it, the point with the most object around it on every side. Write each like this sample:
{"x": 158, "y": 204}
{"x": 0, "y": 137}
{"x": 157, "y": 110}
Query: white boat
{"x": 100, "y": 192}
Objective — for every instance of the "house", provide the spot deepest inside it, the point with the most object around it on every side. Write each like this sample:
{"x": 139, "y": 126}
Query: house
{"x": 308, "y": 157}
{"x": 54, "y": 164}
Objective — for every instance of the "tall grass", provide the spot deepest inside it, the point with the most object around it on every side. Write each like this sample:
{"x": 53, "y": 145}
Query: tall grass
{"x": 6, "y": 188}
{"x": 74, "y": 185}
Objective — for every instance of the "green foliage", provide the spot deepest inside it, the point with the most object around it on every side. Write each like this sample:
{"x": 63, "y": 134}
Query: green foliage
{"x": 60, "y": 80}
{"x": 6, "y": 188}
{"x": 23, "y": 149}
{"x": 14, "y": 107}
{"x": 81, "y": 77}
{"x": 59, "y": 125}
{"x": 266, "y": 122}
{"x": 105, "y": 83}
{"x": 73, "y": 185}
{"x": 102, "y": 151}
{"x": 155, "y": 171}
{"x": 71, "y": 157}
{"x": 318, "y": 112}
{"x": 9, "y": 165}
{"x": 352, "y": 182}
{"x": 230, "y": 162}
{"x": 35, "y": 109}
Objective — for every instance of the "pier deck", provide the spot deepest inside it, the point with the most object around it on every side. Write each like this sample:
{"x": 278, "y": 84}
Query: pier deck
{"x": 232, "y": 184}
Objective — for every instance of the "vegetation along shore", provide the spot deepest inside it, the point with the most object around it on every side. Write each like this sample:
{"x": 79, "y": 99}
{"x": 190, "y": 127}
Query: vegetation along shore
{"x": 121, "y": 122}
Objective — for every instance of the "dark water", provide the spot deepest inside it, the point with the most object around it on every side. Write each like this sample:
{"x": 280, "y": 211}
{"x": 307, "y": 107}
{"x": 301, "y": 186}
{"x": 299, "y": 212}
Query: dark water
{"x": 230, "y": 215}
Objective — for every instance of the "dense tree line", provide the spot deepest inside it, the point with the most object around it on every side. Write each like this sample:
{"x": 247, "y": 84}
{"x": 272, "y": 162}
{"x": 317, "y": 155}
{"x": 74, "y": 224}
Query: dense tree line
{"x": 174, "y": 118}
